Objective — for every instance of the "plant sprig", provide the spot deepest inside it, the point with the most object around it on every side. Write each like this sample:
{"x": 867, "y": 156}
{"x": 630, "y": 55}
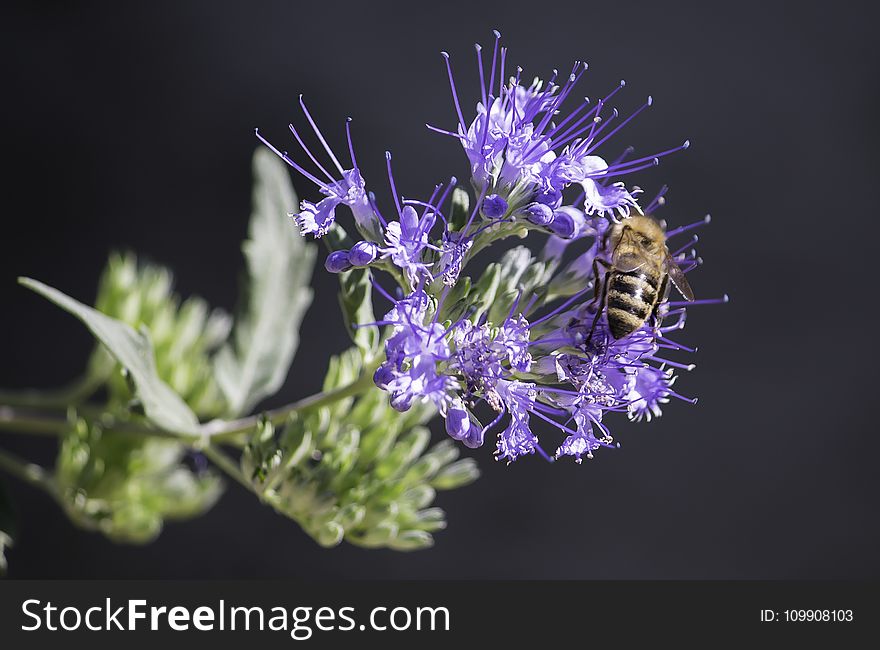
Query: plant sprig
{"x": 176, "y": 387}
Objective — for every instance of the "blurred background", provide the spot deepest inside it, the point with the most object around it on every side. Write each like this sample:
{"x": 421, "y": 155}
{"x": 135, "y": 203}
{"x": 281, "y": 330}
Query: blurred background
{"x": 131, "y": 127}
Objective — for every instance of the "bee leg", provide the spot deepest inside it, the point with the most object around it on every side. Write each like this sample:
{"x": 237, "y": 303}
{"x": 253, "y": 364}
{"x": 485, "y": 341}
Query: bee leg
{"x": 599, "y": 310}
{"x": 661, "y": 297}
{"x": 606, "y": 266}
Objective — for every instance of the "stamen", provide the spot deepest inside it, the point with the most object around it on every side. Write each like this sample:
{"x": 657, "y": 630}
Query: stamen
{"x": 371, "y": 199}
{"x": 445, "y": 56}
{"x": 572, "y": 132}
{"x": 622, "y": 156}
{"x": 289, "y": 161}
{"x": 672, "y": 345}
{"x": 476, "y": 209}
{"x": 378, "y": 287}
{"x": 391, "y": 182}
{"x": 690, "y": 243}
{"x": 622, "y": 124}
{"x": 712, "y": 301}
{"x": 494, "y": 60}
{"x": 501, "y": 72}
{"x": 350, "y": 146}
{"x": 320, "y": 136}
{"x": 561, "y": 307}
{"x": 479, "y": 49}
{"x": 624, "y": 168}
{"x": 702, "y": 222}
{"x": 445, "y": 132}
{"x": 658, "y": 200}
{"x": 309, "y": 154}
{"x": 544, "y": 454}
{"x": 674, "y": 364}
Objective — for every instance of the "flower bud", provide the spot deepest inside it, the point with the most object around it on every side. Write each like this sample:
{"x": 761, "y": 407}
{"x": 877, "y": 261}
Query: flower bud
{"x": 549, "y": 197}
{"x": 401, "y": 401}
{"x": 474, "y": 438}
{"x": 568, "y": 222}
{"x": 539, "y": 214}
{"x": 363, "y": 253}
{"x": 383, "y": 375}
{"x": 458, "y": 422}
{"x": 494, "y": 206}
{"x": 337, "y": 262}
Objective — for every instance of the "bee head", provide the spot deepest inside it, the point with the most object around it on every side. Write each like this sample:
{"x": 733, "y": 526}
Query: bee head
{"x": 646, "y": 229}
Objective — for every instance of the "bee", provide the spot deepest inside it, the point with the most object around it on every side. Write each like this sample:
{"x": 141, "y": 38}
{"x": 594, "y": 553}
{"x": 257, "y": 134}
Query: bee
{"x": 637, "y": 278}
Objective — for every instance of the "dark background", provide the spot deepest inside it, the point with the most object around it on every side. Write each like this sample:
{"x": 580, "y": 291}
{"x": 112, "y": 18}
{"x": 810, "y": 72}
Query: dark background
{"x": 132, "y": 127}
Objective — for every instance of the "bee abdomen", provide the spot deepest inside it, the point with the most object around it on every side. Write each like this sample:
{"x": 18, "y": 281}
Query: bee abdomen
{"x": 631, "y": 299}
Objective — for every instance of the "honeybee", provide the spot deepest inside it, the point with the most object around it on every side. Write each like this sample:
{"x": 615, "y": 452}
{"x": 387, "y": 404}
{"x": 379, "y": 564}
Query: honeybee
{"x": 636, "y": 279}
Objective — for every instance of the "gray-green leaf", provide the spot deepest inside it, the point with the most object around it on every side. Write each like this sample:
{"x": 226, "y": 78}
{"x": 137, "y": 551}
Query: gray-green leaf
{"x": 356, "y": 300}
{"x": 162, "y": 406}
{"x": 279, "y": 262}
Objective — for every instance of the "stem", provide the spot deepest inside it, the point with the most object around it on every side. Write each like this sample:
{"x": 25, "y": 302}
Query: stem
{"x": 28, "y": 472}
{"x": 222, "y": 428}
{"x": 79, "y": 390}
{"x": 17, "y": 420}
{"x": 224, "y": 462}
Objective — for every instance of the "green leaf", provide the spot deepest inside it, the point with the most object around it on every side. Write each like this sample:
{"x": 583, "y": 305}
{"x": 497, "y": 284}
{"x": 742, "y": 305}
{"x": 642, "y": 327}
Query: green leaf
{"x": 7, "y": 527}
{"x": 185, "y": 333}
{"x": 279, "y": 262}
{"x": 356, "y": 299}
{"x": 461, "y": 203}
{"x": 162, "y": 406}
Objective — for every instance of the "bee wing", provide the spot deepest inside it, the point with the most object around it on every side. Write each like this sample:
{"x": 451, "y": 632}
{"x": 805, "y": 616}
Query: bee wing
{"x": 624, "y": 258}
{"x": 678, "y": 278}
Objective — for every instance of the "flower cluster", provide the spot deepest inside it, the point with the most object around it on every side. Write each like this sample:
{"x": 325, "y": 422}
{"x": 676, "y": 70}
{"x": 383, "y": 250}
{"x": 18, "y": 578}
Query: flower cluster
{"x": 529, "y": 341}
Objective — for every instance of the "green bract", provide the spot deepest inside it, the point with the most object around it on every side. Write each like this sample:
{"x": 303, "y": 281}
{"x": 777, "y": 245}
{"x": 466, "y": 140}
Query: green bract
{"x": 357, "y": 469}
{"x": 184, "y": 333}
{"x": 126, "y": 486}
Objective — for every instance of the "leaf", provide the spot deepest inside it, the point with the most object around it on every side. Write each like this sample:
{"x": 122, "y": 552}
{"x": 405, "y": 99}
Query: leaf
{"x": 460, "y": 211}
{"x": 162, "y": 406}
{"x": 279, "y": 267}
{"x": 7, "y": 527}
{"x": 356, "y": 300}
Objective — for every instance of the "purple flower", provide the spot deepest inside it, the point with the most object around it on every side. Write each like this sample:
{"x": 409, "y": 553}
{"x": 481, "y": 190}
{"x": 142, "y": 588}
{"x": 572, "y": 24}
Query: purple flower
{"x": 342, "y": 187}
{"x": 517, "y": 439}
{"x": 405, "y": 240}
{"x": 455, "y": 246}
{"x": 412, "y": 353}
{"x": 535, "y": 166}
{"x": 481, "y": 352}
{"x": 650, "y": 388}
{"x": 317, "y": 218}
{"x": 524, "y": 146}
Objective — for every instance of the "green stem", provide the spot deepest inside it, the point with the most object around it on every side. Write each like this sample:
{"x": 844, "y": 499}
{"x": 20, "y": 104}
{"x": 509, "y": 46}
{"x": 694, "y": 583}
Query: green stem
{"x": 78, "y": 391}
{"x": 27, "y": 472}
{"x": 17, "y": 420}
{"x": 222, "y": 428}
{"x": 224, "y": 462}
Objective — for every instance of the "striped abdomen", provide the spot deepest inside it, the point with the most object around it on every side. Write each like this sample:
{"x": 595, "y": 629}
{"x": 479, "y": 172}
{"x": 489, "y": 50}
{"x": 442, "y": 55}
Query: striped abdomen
{"x": 631, "y": 299}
